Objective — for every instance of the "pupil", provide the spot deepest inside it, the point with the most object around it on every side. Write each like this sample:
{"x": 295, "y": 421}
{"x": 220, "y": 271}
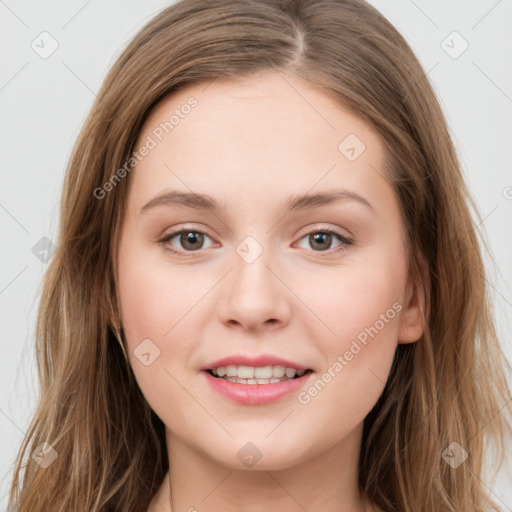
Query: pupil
{"x": 321, "y": 237}
{"x": 191, "y": 238}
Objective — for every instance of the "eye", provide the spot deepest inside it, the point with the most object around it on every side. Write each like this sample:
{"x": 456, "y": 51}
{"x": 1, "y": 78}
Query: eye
{"x": 322, "y": 240}
{"x": 190, "y": 240}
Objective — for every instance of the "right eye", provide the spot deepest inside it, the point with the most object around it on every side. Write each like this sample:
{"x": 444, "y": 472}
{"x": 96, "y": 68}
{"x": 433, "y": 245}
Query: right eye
{"x": 191, "y": 240}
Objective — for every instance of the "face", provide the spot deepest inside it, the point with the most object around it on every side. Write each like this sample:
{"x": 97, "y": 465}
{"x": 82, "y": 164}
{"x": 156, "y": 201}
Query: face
{"x": 297, "y": 253}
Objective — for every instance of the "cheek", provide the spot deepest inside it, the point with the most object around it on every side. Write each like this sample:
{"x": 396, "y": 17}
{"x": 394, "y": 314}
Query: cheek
{"x": 145, "y": 304}
{"x": 359, "y": 306}
{"x": 155, "y": 297}
{"x": 367, "y": 309}
{"x": 156, "y": 305}
{"x": 160, "y": 306}
{"x": 354, "y": 300}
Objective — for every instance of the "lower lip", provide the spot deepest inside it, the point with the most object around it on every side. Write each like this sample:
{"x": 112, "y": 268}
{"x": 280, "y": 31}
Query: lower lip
{"x": 256, "y": 394}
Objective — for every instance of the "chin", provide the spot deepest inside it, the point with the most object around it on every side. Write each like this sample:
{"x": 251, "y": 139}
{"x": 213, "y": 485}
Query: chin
{"x": 264, "y": 455}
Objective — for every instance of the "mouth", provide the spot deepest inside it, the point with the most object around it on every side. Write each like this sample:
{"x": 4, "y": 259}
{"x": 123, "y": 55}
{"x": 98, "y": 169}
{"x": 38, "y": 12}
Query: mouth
{"x": 259, "y": 385}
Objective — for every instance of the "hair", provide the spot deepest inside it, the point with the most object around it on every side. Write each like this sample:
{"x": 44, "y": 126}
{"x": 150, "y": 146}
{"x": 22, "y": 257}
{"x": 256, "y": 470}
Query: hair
{"x": 449, "y": 386}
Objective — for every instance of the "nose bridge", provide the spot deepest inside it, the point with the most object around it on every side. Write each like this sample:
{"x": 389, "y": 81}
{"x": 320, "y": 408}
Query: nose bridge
{"x": 254, "y": 295}
{"x": 252, "y": 278}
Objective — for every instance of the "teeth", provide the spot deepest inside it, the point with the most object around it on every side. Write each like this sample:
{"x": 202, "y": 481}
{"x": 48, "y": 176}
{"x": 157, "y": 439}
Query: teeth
{"x": 256, "y": 375}
{"x": 278, "y": 371}
{"x": 290, "y": 372}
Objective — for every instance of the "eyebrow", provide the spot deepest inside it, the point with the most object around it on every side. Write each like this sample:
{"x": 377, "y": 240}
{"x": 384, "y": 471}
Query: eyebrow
{"x": 294, "y": 203}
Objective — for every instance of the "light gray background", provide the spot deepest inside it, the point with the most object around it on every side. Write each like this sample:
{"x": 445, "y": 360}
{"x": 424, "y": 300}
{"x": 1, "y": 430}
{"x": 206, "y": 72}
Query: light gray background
{"x": 45, "y": 101}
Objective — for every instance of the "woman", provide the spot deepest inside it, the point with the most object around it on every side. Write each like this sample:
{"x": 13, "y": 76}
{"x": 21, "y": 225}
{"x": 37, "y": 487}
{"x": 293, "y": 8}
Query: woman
{"x": 268, "y": 293}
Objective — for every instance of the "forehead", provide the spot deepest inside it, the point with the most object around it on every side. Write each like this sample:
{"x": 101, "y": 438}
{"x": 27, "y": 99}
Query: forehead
{"x": 256, "y": 109}
{"x": 268, "y": 132}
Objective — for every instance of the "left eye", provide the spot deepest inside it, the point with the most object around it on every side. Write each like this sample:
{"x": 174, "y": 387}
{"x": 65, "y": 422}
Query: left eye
{"x": 323, "y": 239}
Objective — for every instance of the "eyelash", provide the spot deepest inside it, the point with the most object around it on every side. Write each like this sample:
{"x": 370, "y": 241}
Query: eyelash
{"x": 345, "y": 241}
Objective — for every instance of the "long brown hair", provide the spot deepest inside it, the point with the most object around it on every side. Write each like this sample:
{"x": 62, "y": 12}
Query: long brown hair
{"x": 448, "y": 387}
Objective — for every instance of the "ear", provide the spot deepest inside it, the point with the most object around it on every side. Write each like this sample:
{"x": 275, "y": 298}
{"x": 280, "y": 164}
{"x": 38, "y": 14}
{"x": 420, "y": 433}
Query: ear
{"x": 413, "y": 316}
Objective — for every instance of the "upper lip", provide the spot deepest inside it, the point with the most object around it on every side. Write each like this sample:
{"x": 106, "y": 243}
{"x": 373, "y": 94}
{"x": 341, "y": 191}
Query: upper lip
{"x": 261, "y": 360}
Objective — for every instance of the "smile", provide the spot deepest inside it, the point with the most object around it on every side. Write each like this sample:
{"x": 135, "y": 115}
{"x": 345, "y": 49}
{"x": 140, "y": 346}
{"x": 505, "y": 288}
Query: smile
{"x": 256, "y": 385}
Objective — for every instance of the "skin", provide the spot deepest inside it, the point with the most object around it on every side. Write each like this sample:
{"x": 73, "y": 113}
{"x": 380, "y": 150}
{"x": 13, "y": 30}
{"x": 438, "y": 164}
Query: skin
{"x": 251, "y": 144}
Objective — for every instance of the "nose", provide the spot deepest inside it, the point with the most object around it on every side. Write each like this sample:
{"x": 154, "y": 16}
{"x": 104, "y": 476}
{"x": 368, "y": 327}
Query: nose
{"x": 254, "y": 296}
